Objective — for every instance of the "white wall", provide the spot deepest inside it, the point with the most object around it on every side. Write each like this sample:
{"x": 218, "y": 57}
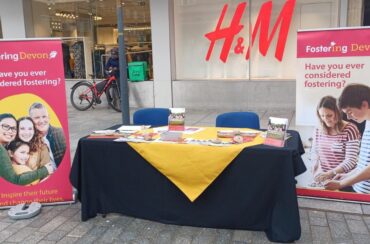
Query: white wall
{"x": 160, "y": 22}
{"x": 28, "y": 18}
{"x": 235, "y": 95}
{"x": 41, "y": 21}
{"x": 12, "y": 19}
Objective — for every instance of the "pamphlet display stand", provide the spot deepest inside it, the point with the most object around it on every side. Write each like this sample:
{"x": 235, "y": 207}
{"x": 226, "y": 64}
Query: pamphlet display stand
{"x": 176, "y": 119}
{"x": 276, "y": 132}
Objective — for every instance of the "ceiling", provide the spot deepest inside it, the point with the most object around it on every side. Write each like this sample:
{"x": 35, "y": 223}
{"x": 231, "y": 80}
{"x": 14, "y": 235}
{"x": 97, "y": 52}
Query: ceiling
{"x": 136, "y": 12}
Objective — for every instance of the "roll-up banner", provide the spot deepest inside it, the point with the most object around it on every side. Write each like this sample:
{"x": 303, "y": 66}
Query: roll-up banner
{"x": 327, "y": 61}
{"x": 34, "y": 139}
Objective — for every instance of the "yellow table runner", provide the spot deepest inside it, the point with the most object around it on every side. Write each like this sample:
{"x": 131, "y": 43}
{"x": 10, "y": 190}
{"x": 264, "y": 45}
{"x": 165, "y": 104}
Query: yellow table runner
{"x": 192, "y": 168}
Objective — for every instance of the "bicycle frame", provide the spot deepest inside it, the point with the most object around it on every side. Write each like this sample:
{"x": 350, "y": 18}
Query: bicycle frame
{"x": 95, "y": 91}
{"x": 90, "y": 92}
{"x": 109, "y": 82}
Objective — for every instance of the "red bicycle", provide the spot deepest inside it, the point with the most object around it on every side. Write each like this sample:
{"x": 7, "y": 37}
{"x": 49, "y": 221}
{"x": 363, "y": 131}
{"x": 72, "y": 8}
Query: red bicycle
{"x": 85, "y": 94}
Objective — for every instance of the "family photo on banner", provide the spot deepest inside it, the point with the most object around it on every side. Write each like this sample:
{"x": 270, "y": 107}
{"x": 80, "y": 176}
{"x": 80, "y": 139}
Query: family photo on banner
{"x": 34, "y": 137}
{"x": 31, "y": 148}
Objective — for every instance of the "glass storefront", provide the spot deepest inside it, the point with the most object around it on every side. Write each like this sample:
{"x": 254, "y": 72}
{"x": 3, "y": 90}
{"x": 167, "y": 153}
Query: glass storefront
{"x": 89, "y": 31}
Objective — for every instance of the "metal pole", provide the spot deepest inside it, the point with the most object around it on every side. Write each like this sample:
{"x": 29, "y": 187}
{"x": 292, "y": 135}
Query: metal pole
{"x": 125, "y": 106}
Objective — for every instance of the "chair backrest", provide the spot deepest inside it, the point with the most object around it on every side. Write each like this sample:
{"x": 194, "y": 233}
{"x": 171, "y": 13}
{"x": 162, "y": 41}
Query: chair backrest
{"x": 238, "y": 120}
{"x": 151, "y": 116}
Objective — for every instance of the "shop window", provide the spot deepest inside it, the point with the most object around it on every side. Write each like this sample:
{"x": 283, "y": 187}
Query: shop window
{"x": 94, "y": 24}
{"x": 137, "y": 35}
{"x": 194, "y": 18}
{"x": 367, "y": 13}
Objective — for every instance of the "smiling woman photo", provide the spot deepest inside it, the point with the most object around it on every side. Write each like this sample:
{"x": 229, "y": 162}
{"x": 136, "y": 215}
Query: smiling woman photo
{"x": 39, "y": 152}
{"x": 336, "y": 142}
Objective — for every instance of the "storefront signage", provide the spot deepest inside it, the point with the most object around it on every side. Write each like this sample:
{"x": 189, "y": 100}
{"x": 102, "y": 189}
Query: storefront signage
{"x": 34, "y": 152}
{"x": 262, "y": 25}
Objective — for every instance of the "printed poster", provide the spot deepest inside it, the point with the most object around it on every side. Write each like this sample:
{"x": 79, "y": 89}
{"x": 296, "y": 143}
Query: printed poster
{"x": 34, "y": 138}
{"x": 327, "y": 61}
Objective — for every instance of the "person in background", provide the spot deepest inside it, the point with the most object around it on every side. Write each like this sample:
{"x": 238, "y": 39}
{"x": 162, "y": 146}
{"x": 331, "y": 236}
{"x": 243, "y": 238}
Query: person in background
{"x": 355, "y": 103}
{"x": 336, "y": 142}
{"x": 39, "y": 152}
{"x": 8, "y": 131}
{"x": 113, "y": 62}
{"x": 53, "y": 137}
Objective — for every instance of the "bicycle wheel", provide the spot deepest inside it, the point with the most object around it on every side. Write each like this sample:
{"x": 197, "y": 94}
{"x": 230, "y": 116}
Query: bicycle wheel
{"x": 114, "y": 97}
{"x": 82, "y": 96}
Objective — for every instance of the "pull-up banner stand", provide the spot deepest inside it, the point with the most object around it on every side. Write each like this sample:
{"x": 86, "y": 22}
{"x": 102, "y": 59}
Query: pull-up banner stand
{"x": 34, "y": 152}
{"x": 327, "y": 61}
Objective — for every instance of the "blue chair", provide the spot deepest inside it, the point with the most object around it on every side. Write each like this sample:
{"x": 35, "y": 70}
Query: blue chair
{"x": 238, "y": 120}
{"x": 151, "y": 116}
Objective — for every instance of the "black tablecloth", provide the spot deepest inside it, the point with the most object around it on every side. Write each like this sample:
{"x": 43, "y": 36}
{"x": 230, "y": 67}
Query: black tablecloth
{"x": 255, "y": 192}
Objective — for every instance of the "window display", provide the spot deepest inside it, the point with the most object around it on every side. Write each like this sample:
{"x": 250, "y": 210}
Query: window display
{"x": 94, "y": 24}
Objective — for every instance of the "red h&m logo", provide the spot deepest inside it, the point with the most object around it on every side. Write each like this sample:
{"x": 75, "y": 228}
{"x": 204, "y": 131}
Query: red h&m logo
{"x": 262, "y": 24}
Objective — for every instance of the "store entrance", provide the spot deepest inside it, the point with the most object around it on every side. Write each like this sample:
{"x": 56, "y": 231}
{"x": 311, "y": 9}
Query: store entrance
{"x": 89, "y": 31}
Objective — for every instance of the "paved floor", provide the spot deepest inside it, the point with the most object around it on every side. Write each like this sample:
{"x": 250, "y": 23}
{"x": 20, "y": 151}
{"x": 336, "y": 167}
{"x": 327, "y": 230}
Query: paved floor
{"x": 61, "y": 224}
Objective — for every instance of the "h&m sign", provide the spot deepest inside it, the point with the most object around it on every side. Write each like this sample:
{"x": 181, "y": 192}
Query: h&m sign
{"x": 262, "y": 24}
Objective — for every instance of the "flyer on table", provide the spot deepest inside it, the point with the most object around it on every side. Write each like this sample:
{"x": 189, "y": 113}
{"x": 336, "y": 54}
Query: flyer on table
{"x": 327, "y": 61}
{"x": 34, "y": 139}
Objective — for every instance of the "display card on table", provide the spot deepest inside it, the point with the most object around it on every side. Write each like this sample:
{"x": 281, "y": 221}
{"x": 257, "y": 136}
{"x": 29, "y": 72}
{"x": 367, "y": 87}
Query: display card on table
{"x": 276, "y": 131}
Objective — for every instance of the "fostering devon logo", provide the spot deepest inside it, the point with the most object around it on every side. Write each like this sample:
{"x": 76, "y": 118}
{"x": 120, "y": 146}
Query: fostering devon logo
{"x": 15, "y": 57}
{"x": 332, "y": 48}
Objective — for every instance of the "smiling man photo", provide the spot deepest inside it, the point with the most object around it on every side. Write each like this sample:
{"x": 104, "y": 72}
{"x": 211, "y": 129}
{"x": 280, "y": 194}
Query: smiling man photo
{"x": 53, "y": 137}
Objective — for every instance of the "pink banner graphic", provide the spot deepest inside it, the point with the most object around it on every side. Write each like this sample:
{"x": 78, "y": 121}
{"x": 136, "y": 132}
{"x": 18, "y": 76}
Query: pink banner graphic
{"x": 336, "y": 43}
{"x": 34, "y": 138}
{"x": 327, "y": 62}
